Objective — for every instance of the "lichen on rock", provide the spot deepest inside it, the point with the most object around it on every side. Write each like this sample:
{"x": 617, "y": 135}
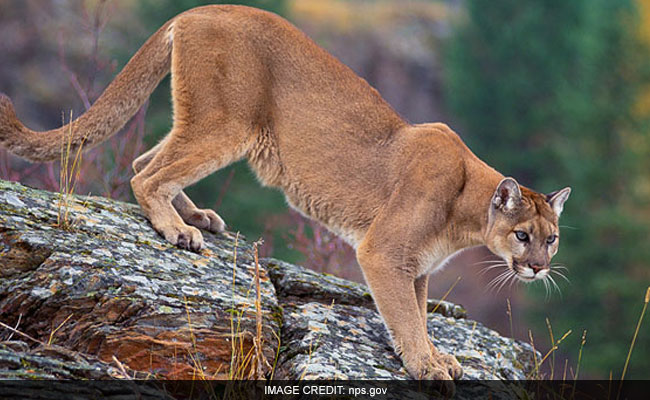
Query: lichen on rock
{"x": 122, "y": 290}
{"x": 327, "y": 335}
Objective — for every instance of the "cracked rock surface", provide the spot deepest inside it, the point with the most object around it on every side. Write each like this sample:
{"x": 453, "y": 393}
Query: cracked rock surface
{"x": 110, "y": 296}
{"x": 332, "y": 331}
{"x": 111, "y": 287}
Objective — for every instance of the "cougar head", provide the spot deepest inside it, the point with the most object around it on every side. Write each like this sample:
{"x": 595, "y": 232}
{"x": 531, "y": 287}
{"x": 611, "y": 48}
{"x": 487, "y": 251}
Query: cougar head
{"x": 523, "y": 228}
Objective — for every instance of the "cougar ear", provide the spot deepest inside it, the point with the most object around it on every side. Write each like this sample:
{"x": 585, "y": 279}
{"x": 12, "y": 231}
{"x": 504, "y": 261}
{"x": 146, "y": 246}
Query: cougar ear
{"x": 557, "y": 199}
{"x": 507, "y": 196}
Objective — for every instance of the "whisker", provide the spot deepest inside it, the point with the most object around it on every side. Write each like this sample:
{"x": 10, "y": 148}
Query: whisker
{"x": 497, "y": 287}
{"x": 555, "y": 284}
{"x": 489, "y": 285}
{"x": 512, "y": 282}
{"x": 561, "y": 275}
{"x": 489, "y": 267}
{"x": 512, "y": 279}
{"x": 504, "y": 281}
{"x": 486, "y": 269}
{"x": 494, "y": 282}
{"x": 567, "y": 227}
{"x": 488, "y": 262}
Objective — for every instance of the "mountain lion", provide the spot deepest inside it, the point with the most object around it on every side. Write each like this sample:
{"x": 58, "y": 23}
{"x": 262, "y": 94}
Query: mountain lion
{"x": 247, "y": 84}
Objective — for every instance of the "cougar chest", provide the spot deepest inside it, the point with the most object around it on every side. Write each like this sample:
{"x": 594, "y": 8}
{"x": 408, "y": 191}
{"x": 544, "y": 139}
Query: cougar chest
{"x": 440, "y": 251}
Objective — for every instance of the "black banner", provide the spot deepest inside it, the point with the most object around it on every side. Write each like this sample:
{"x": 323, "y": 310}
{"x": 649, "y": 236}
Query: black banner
{"x": 379, "y": 390}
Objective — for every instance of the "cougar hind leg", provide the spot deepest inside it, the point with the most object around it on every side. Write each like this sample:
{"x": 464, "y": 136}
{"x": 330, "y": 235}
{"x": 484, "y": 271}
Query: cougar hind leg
{"x": 178, "y": 164}
{"x": 214, "y": 118}
{"x": 192, "y": 215}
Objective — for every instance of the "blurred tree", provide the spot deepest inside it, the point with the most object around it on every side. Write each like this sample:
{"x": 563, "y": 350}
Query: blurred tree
{"x": 642, "y": 144}
{"x": 545, "y": 92}
{"x": 241, "y": 201}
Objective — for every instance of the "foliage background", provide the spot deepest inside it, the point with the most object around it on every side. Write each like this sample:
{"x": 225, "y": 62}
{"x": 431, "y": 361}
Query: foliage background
{"x": 554, "y": 93}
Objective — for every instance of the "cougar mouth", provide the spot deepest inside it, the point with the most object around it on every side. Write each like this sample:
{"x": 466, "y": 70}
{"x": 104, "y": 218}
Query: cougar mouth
{"x": 523, "y": 272}
{"x": 526, "y": 273}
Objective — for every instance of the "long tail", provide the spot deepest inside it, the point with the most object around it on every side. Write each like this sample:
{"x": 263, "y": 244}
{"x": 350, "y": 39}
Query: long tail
{"x": 112, "y": 110}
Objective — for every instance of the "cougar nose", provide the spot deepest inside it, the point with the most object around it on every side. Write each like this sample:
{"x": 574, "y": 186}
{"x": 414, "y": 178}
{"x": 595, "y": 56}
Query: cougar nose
{"x": 535, "y": 268}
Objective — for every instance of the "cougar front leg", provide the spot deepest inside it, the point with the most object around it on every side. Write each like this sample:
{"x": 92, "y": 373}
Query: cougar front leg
{"x": 393, "y": 289}
{"x": 188, "y": 211}
{"x": 448, "y": 361}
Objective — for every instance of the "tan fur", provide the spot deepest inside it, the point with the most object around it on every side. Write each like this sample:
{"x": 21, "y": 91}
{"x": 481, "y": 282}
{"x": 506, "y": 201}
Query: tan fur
{"x": 247, "y": 84}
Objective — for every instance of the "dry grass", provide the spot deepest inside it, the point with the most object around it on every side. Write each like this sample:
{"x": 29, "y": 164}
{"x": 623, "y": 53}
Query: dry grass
{"x": 532, "y": 343}
{"x": 69, "y": 173}
{"x": 51, "y": 338}
{"x": 194, "y": 354}
{"x": 247, "y": 363}
{"x": 277, "y": 355}
{"x": 568, "y": 372}
{"x": 260, "y": 361}
{"x": 240, "y": 359}
{"x": 646, "y": 300}
{"x": 19, "y": 333}
{"x": 509, "y": 313}
{"x": 555, "y": 345}
{"x": 445, "y": 295}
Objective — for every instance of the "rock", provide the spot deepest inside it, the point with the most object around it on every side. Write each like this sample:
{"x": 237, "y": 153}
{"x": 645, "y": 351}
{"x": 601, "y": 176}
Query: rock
{"x": 18, "y": 361}
{"x": 331, "y": 331}
{"x": 111, "y": 287}
{"x": 109, "y": 295}
{"x": 296, "y": 283}
{"x": 45, "y": 363}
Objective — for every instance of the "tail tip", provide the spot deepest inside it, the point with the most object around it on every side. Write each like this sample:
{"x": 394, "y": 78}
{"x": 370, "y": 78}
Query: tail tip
{"x": 5, "y": 103}
{"x": 7, "y": 111}
{"x": 7, "y": 117}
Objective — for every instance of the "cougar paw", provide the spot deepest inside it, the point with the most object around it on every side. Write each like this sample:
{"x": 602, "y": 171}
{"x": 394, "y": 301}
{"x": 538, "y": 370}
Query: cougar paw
{"x": 439, "y": 380}
{"x": 185, "y": 237}
{"x": 450, "y": 364}
{"x": 206, "y": 219}
{"x": 426, "y": 367}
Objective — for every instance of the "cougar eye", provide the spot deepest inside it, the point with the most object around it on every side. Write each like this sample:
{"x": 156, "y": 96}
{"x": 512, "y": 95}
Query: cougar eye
{"x": 551, "y": 239}
{"x": 521, "y": 236}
